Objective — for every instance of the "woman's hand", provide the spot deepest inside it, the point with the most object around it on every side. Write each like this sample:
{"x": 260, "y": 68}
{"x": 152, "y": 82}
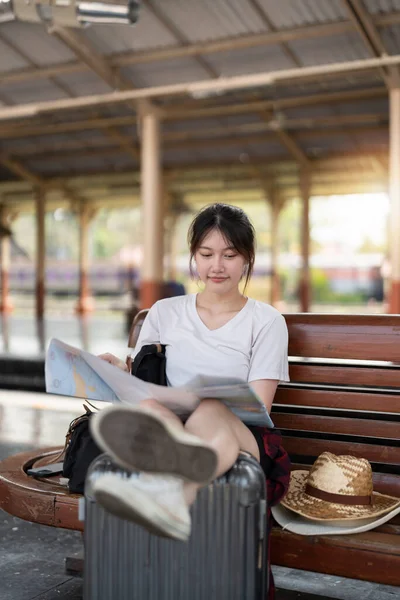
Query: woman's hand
{"x": 114, "y": 360}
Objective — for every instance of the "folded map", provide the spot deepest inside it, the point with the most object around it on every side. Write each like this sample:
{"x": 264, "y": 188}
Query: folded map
{"x": 70, "y": 371}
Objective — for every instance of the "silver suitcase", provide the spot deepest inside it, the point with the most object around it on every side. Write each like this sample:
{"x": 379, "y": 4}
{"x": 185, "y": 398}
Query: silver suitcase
{"x": 225, "y": 558}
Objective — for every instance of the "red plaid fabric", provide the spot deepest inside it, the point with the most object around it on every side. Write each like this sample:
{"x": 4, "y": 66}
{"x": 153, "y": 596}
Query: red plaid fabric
{"x": 277, "y": 482}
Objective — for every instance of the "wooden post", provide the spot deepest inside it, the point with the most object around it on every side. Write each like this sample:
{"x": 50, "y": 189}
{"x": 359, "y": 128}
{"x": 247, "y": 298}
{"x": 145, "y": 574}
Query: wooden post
{"x": 41, "y": 334}
{"x": 276, "y": 203}
{"x": 84, "y": 332}
{"x": 171, "y": 245}
{"x": 86, "y": 302}
{"x": 5, "y": 331}
{"x": 305, "y": 280}
{"x": 40, "y": 252}
{"x": 173, "y": 206}
{"x": 394, "y": 192}
{"x": 6, "y": 304}
{"x": 152, "y": 202}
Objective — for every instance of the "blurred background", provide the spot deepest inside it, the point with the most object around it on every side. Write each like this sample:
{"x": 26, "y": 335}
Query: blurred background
{"x": 119, "y": 120}
{"x": 348, "y": 264}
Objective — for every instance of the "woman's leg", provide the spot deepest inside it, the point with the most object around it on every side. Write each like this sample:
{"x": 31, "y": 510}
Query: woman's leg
{"x": 220, "y": 428}
{"x": 177, "y": 460}
{"x": 226, "y": 434}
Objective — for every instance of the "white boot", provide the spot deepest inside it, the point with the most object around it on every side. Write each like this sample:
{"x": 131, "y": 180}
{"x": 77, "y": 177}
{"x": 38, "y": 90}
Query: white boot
{"x": 154, "y": 501}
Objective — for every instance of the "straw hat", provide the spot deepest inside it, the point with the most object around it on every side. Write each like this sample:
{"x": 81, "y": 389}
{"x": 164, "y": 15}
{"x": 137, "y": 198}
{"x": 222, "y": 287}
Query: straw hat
{"x": 337, "y": 491}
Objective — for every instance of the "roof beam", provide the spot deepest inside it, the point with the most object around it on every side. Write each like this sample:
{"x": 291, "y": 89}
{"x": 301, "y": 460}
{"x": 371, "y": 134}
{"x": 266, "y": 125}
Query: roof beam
{"x": 366, "y": 28}
{"x": 37, "y": 181}
{"x": 285, "y": 138}
{"x": 64, "y": 88}
{"x": 99, "y": 65}
{"x": 283, "y": 45}
{"x": 220, "y": 85}
{"x": 269, "y": 38}
{"x": 66, "y": 127}
{"x": 267, "y": 125}
{"x": 365, "y": 25}
{"x": 180, "y": 112}
{"x": 112, "y": 133}
{"x": 331, "y": 162}
{"x": 293, "y": 147}
{"x": 111, "y": 181}
{"x": 180, "y": 51}
{"x": 18, "y": 169}
{"x": 124, "y": 142}
{"x": 65, "y": 153}
{"x": 84, "y": 51}
{"x": 184, "y": 41}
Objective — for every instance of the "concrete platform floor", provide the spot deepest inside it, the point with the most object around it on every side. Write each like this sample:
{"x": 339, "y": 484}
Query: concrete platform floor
{"x": 32, "y": 556}
{"x": 23, "y": 335}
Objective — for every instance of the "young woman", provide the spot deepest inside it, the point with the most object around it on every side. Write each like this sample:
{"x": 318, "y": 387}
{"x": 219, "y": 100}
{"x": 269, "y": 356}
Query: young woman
{"x": 218, "y": 331}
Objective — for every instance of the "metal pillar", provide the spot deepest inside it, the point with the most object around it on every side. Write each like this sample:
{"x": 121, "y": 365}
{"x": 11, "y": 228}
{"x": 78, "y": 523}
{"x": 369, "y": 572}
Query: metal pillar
{"x": 394, "y": 192}
{"x": 86, "y": 302}
{"x": 40, "y": 252}
{"x": 152, "y": 201}
{"x": 6, "y": 304}
{"x": 305, "y": 280}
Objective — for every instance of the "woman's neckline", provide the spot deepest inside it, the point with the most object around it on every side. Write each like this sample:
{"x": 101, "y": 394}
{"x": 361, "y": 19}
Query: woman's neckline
{"x": 242, "y": 311}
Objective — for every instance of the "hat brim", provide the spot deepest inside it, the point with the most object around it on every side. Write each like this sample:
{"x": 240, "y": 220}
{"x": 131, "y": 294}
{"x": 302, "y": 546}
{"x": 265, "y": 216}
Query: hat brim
{"x": 318, "y": 510}
{"x": 295, "y": 523}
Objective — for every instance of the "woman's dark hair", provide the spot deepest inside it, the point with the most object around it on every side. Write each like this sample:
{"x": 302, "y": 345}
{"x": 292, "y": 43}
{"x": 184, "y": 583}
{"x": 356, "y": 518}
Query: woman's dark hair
{"x": 234, "y": 225}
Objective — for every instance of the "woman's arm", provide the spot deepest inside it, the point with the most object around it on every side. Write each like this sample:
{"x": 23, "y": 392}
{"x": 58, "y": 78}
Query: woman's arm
{"x": 265, "y": 390}
{"x": 269, "y": 359}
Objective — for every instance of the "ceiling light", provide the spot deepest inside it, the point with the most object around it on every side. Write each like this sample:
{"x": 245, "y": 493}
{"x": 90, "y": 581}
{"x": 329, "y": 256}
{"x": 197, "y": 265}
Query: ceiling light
{"x": 69, "y": 13}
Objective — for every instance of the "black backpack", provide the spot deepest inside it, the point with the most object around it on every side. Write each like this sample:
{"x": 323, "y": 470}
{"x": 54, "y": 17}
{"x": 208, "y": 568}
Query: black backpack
{"x": 80, "y": 451}
{"x": 80, "y": 448}
{"x": 150, "y": 363}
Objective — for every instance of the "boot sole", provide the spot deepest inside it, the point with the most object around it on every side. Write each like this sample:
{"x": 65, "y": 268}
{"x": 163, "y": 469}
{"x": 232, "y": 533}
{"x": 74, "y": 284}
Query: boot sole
{"x": 142, "y": 441}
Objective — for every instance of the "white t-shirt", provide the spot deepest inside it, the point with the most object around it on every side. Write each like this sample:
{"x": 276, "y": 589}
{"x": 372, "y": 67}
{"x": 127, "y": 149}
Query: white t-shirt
{"x": 252, "y": 345}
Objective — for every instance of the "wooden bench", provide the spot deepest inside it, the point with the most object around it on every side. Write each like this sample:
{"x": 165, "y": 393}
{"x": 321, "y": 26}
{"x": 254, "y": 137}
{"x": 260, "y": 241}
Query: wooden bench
{"x": 43, "y": 501}
{"x": 344, "y": 396}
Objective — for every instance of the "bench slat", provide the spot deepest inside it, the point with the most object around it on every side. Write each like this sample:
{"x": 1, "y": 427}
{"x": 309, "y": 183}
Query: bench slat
{"x": 354, "y": 337}
{"x": 345, "y": 375}
{"x": 372, "y": 556}
{"x": 313, "y": 447}
{"x": 349, "y": 426}
{"x": 378, "y": 402}
{"x": 389, "y": 528}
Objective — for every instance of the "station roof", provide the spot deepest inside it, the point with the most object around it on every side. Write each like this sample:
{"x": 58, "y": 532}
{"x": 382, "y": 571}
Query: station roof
{"x": 334, "y": 122}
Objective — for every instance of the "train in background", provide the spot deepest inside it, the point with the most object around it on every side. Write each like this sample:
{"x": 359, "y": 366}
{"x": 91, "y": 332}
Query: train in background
{"x": 358, "y": 274}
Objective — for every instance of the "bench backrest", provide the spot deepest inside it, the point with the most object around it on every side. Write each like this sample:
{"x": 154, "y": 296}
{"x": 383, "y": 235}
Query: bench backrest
{"x": 344, "y": 393}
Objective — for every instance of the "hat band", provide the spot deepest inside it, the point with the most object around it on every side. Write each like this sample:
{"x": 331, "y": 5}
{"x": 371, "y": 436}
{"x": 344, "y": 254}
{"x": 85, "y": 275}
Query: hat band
{"x": 337, "y": 498}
